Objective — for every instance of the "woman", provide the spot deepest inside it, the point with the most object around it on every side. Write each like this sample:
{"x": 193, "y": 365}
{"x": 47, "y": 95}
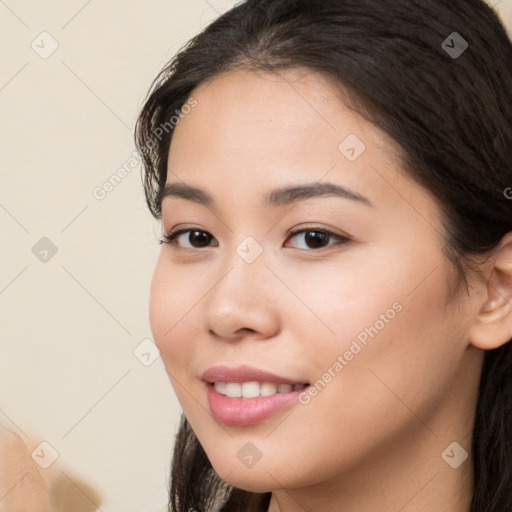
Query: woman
{"x": 332, "y": 300}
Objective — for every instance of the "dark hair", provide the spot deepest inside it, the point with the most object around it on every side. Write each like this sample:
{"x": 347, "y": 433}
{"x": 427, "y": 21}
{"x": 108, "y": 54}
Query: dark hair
{"x": 451, "y": 116}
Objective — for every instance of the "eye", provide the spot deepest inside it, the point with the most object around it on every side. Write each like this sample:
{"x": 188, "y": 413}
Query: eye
{"x": 312, "y": 238}
{"x": 316, "y": 238}
{"x": 196, "y": 237}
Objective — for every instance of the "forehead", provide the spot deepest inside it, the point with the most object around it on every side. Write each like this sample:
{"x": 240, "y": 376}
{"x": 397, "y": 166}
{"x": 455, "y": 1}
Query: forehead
{"x": 255, "y": 121}
{"x": 251, "y": 132}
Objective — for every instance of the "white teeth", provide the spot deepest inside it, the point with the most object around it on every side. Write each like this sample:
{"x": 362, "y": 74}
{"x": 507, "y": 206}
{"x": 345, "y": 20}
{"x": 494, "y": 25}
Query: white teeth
{"x": 250, "y": 389}
{"x": 268, "y": 389}
{"x": 233, "y": 389}
{"x": 220, "y": 387}
{"x": 253, "y": 389}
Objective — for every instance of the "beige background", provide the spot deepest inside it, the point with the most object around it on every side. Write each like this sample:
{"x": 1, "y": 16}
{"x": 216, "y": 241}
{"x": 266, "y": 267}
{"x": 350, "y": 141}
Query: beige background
{"x": 70, "y": 323}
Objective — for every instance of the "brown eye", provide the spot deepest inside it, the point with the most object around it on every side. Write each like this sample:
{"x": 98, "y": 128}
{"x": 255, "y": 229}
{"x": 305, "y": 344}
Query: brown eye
{"x": 196, "y": 238}
{"x": 318, "y": 238}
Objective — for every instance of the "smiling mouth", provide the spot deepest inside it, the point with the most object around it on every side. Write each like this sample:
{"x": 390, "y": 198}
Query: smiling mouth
{"x": 248, "y": 403}
{"x": 254, "y": 389}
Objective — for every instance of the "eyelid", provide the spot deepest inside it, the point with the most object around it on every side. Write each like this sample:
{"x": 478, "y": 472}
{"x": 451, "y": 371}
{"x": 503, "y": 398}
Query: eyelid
{"x": 329, "y": 231}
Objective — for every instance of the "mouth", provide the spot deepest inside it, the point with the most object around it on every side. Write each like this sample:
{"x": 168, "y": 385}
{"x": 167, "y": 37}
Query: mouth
{"x": 254, "y": 389}
{"x": 245, "y": 396}
{"x": 243, "y": 411}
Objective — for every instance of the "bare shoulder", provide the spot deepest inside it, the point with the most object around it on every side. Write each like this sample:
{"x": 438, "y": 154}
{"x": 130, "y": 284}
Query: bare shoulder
{"x": 22, "y": 484}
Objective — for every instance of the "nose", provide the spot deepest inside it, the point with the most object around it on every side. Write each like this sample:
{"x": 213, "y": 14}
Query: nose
{"x": 243, "y": 302}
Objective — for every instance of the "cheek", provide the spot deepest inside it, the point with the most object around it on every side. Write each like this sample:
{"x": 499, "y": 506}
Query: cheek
{"x": 172, "y": 315}
{"x": 334, "y": 303}
{"x": 400, "y": 350}
{"x": 379, "y": 334}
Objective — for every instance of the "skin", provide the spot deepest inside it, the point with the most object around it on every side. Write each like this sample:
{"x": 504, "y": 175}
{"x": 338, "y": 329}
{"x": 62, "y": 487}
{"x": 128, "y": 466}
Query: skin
{"x": 372, "y": 438}
{"x": 26, "y": 487}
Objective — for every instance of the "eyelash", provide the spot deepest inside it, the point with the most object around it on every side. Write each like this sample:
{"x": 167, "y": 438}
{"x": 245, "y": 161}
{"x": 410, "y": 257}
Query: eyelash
{"x": 171, "y": 237}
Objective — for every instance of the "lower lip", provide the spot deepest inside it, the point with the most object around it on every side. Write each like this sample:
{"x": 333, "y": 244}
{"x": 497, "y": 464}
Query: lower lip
{"x": 247, "y": 411}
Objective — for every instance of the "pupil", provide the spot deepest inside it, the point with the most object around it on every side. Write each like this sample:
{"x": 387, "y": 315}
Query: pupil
{"x": 315, "y": 241}
{"x": 198, "y": 235}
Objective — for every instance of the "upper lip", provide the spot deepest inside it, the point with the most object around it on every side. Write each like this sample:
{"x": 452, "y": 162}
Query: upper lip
{"x": 245, "y": 373}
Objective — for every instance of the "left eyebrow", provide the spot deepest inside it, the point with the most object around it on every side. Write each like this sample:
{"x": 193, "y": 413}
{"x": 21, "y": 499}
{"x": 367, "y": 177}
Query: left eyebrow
{"x": 277, "y": 197}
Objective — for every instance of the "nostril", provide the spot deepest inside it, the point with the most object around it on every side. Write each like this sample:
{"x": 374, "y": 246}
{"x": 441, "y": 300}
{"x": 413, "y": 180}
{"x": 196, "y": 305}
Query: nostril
{"x": 247, "y": 329}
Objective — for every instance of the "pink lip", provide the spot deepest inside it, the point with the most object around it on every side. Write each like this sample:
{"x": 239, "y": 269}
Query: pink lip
{"x": 244, "y": 373}
{"x": 243, "y": 412}
{"x": 246, "y": 411}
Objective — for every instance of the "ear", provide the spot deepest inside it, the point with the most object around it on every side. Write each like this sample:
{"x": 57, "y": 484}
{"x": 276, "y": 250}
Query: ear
{"x": 492, "y": 326}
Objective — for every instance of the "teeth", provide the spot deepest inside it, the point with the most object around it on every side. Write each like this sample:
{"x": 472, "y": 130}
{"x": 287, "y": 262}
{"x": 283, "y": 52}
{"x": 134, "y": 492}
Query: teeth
{"x": 254, "y": 389}
{"x": 220, "y": 387}
{"x": 268, "y": 389}
{"x": 250, "y": 389}
{"x": 233, "y": 390}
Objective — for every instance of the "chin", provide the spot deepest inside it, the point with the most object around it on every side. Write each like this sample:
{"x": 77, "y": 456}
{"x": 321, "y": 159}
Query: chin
{"x": 248, "y": 482}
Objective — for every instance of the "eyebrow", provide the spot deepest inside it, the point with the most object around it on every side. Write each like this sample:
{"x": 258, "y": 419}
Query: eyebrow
{"x": 277, "y": 197}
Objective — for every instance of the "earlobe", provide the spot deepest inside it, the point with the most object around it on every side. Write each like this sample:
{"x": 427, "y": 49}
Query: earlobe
{"x": 492, "y": 326}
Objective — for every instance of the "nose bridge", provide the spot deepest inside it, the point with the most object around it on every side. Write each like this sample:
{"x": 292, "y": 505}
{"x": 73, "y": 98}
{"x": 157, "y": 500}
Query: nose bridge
{"x": 244, "y": 272}
{"x": 240, "y": 298}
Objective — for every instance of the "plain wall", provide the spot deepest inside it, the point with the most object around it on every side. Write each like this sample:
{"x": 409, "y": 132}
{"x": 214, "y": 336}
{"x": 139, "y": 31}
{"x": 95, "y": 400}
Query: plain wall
{"x": 70, "y": 323}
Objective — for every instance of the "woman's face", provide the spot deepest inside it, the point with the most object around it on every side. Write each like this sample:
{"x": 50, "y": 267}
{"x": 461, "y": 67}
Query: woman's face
{"x": 367, "y": 319}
